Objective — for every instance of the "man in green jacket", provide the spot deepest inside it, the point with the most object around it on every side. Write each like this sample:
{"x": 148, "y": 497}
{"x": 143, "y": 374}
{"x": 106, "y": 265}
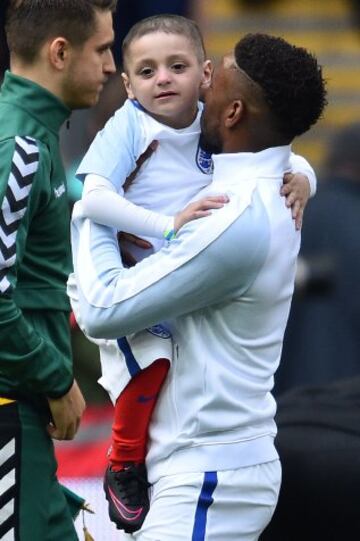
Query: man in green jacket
{"x": 60, "y": 57}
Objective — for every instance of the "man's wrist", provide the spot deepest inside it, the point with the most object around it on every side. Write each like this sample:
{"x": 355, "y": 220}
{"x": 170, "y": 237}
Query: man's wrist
{"x": 55, "y": 396}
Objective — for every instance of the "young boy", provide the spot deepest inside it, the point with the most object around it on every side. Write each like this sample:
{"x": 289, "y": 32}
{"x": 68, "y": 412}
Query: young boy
{"x": 165, "y": 67}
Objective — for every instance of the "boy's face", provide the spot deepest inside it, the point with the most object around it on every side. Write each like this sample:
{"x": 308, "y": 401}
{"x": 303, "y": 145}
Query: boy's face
{"x": 165, "y": 76}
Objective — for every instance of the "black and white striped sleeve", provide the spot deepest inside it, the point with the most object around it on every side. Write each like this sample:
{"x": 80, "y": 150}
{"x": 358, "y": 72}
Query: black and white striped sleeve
{"x": 24, "y": 164}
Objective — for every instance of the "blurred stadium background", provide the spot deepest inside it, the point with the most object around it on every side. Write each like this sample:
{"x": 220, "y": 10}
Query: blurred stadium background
{"x": 328, "y": 28}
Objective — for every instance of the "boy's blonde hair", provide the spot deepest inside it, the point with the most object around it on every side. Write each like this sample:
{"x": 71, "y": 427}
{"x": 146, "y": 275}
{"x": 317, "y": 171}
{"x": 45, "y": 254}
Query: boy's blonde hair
{"x": 169, "y": 24}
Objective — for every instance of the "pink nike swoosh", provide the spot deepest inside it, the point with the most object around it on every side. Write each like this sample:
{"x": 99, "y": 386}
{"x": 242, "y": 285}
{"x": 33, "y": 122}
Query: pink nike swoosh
{"x": 125, "y": 512}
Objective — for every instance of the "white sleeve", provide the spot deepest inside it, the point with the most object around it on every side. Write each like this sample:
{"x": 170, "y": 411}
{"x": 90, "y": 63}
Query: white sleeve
{"x": 115, "y": 149}
{"x": 301, "y": 165}
{"x": 103, "y": 205}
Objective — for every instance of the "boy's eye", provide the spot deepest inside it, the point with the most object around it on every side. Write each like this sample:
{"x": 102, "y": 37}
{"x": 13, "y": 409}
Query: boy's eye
{"x": 146, "y": 72}
{"x": 178, "y": 67}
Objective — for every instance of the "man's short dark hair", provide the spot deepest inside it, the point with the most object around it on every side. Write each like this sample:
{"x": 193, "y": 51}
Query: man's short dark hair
{"x": 290, "y": 78}
{"x": 170, "y": 24}
{"x": 29, "y": 23}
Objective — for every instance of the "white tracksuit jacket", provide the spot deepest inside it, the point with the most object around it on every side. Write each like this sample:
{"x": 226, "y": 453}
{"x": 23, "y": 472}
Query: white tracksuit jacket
{"x": 224, "y": 287}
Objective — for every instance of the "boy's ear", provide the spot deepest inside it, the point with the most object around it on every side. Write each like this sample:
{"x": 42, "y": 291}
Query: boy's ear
{"x": 206, "y": 77}
{"x": 127, "y": 85}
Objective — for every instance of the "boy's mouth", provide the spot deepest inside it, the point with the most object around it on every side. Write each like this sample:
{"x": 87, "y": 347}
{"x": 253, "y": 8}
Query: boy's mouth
{"x": 165, "y": 95}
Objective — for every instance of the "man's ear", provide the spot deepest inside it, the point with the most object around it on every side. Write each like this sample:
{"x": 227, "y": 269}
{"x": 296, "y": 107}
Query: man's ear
{"x": 127, "y": 84}
{"x": 59, "y": 52}
{"x": 206, "y": 76}
{"x": 234, "y": 113}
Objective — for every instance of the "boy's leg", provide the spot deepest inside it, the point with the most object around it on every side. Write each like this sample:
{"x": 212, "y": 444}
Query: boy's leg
{"x": 133, "y": 410}
{"x": 32, "y": 504}
{"x": 146, "y": 356}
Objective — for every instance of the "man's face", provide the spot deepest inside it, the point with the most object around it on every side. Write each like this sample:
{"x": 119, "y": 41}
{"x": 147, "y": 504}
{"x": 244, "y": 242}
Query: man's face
{"x": 90, "y": 65}
{"x": 211, "y": 138}
{"x": 165, "y": 75}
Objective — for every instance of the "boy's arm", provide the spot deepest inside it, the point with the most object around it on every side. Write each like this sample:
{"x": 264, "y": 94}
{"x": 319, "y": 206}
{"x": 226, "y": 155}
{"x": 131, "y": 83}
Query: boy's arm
{"x": 102, "y": 204}
{"x": 300, "y": 165}
{"x": 298, "y": 186}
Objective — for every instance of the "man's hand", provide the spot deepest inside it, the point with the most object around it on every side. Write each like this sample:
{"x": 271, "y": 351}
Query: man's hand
{"x": 66, "y": 414}
{"x": 296, "y": 189}
{"x": 127, "y": 238}
{"x": 199, "y": 209}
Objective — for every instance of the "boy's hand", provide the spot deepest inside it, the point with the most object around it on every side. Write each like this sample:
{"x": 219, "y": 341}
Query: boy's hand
{"x": 296, "y": 189}
{"x": 199, "y": 209}
{"x": 66, "y": 413}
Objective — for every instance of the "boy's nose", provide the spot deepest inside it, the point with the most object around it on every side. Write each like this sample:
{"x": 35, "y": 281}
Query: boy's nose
{"x": 163, "y": 77}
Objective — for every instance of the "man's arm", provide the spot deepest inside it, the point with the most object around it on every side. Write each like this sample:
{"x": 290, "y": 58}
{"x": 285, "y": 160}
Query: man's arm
{"x": 212, "y": 260}
{"x": 28, "y": 363}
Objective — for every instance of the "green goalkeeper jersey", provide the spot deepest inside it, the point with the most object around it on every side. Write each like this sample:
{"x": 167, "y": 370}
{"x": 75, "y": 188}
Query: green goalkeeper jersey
{"x": 35, "y": 259}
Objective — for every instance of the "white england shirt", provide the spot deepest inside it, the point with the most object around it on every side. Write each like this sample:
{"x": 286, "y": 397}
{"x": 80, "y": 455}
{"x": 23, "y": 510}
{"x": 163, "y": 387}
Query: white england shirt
{"x": 175, "y": 172}
{"x": 165, "y": 183}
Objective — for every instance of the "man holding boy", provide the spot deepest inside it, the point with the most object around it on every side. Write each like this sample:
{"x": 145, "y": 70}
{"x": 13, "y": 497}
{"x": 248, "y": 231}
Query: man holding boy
{"x": 60, "y": 59}
{"x": 165, "y": 68}
{"x": 224, "y": 286}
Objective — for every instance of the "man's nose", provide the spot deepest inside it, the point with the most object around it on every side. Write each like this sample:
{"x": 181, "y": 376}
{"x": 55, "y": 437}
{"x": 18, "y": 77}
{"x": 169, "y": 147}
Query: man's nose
{"x": 109, "y": 65}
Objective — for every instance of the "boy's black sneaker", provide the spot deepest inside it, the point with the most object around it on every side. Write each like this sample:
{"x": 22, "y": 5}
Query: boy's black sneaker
{"x": 127, "y": 494}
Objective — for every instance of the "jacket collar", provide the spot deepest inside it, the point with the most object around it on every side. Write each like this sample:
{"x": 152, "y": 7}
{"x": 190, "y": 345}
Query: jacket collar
{"x": 38, "y": 102}
{"x": 242, "y": 166}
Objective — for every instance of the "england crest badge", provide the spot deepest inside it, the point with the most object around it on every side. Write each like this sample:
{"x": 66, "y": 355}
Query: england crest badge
{"x": 159, "y": 330}
{"x": 204, "y": 161}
